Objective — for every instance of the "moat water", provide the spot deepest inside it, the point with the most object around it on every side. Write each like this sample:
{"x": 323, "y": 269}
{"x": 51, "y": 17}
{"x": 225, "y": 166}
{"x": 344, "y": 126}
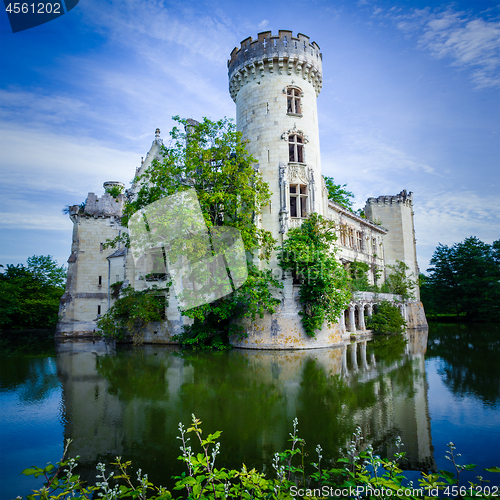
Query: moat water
{"x": 439, "y": 386}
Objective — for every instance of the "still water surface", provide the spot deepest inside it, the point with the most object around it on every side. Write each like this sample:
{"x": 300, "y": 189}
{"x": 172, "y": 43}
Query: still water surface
{"x": 438, "y": 387}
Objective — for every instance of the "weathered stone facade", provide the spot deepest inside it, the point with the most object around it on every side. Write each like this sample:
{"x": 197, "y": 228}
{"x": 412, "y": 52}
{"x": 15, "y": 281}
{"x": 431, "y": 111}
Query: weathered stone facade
{"x": 274, "y": 82}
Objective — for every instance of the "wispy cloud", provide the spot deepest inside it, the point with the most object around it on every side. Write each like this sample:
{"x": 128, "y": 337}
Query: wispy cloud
{"x": 42, "y": 221}
{"x": 469, "y": 42}
{"x": 129, "y": 22}
{"x": 40, "y": 161}
{"x": 448, "y": 217}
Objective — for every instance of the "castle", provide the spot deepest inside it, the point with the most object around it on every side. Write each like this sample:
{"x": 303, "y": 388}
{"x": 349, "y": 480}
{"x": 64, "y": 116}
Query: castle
{"x": 274, "y": 81}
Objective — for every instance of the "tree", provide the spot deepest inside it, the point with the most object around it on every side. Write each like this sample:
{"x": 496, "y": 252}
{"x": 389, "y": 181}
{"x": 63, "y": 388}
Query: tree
{"x": 338, "y": 193}
{"x": 310, "y": 253}
{"x": 211, "y": 158}
{"x": 400, "y": 282}
{"x": 359, "y": 276}
{"x": 465, "y": 279}
{"x": 30, "y": 295}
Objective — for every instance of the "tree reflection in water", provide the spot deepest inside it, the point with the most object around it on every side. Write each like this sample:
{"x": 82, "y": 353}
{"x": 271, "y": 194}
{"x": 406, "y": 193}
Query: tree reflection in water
{"x": 129, "y": 401}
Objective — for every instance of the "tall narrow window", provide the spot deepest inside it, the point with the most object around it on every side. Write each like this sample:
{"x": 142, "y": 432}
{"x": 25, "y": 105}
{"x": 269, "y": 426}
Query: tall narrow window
{"x": 343, "y": 234}
{"x": 293, "y": 101}
{"x": 298, "y": 200}
{"x": 359, "y": 240}
{"x": 351, "y": 237}
{"x": 98, "y": 310}
{"x": 100, "y": 280}
{"x": 295, "y": 149}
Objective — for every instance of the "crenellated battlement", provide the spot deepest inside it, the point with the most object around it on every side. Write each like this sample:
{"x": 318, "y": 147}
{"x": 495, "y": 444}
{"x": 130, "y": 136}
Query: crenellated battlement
{"x": 403, "y": 197}
{"x": 105, "y": 206}
{"x": 282, "y": 53}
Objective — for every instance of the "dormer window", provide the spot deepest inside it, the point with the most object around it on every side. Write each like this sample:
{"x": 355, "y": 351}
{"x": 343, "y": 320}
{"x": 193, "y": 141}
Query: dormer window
{"x": 293, "y": 95}
{"x": 295, "y": 149}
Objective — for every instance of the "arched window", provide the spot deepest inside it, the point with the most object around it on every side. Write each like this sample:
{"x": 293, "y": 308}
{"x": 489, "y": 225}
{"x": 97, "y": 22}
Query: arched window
{"x": 295, "y": 149}
{"x": 293, "y": 96}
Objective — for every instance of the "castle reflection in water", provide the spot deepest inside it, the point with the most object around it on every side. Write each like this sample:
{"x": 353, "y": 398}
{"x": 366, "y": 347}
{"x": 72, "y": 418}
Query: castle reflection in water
{"x": 128, "y": 401}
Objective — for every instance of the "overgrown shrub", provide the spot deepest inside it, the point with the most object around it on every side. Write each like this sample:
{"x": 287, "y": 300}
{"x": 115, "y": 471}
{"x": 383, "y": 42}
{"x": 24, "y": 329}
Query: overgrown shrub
{"x": 386, "y": 319}
{"x": 132, "y": 311}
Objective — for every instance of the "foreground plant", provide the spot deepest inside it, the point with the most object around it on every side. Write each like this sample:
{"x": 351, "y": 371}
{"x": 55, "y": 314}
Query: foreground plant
{"x": 360, "y": 474}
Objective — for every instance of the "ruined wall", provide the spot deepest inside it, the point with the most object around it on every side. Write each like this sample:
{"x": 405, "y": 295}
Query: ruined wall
{"x": 359, "y": 240}
{"x": 86, "y": 293}
{"x": 396, "y": 214}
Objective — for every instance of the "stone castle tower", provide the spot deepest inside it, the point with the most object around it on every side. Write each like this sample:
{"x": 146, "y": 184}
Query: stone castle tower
{"x": 275, "y": 81}
{"x": 91, "y": 267}
{"x": 396, "y": 212}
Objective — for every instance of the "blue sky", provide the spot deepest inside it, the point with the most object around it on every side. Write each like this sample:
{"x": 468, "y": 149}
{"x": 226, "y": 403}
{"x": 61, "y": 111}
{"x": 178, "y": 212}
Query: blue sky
{"x": 410, "y": 100}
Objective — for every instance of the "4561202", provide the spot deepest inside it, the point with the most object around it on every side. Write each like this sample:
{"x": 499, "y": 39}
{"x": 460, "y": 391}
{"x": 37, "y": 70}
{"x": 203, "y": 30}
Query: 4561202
{"x": 476, "y": 491}
{"x": 34, "y": 8}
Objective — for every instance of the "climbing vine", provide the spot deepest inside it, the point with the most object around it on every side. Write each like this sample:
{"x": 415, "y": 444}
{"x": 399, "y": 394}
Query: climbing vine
{"x": 309, "y": 252}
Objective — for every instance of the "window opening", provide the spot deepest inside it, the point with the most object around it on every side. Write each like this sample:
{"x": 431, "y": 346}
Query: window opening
{"x": 298, "y": 200}
{"x": 351, "y": 237}
{"x": 162, "y": 304}
{"x": 100, "y": 280}
{"x": 293, "y": 101}
{"x": 359, "y": 238}
{"x": 98, "y": 310}
{"x": 295, "y": 149}
{"x": 285, "y": 41}
{"x": 343, "y": 234}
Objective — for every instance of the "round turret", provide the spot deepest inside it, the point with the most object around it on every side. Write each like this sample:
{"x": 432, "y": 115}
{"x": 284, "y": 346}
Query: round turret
{"x": 110, "y": 184}
{"x": 283, "y": 53}
{"x": 274, "y": 82}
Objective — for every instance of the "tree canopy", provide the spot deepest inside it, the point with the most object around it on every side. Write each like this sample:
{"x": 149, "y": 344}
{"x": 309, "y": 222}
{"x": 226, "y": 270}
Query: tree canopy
{"x": 464, "y": 279}
{"x": 338, "y": 193}
{"x": 30, "y": 294}
{"x": 211, "y": 158}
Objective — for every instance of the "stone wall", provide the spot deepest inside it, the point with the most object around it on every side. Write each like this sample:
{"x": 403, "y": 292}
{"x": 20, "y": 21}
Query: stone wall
{"x": 396, "y": 214}
{"x": 86, "y": 293}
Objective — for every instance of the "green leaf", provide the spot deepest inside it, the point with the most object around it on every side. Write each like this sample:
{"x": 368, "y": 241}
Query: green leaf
{"x": 493, "y": 469}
